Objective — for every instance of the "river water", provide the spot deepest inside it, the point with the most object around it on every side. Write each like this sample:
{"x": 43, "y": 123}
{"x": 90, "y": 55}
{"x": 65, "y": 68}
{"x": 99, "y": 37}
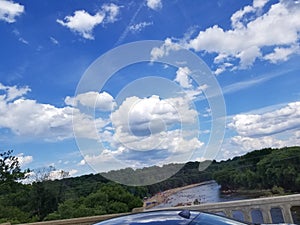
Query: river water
{"x": 206, "y": 193}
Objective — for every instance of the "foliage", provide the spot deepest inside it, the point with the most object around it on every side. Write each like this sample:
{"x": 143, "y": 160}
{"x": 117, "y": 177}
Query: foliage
{"x": 262, "y": 169}
{"x": 109, "y": 198}
{"x": 275, "y": 169}
{"x": 10, "y": 170}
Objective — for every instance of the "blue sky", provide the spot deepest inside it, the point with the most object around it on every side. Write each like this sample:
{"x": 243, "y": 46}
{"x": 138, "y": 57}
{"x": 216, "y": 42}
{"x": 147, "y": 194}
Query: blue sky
{"x": 147, "y": 113}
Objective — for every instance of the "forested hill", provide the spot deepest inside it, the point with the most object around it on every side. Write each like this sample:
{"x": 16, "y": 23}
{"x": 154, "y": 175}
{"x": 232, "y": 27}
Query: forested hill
{"x": 260, "y": 169}
{"x": 90, "y": 195}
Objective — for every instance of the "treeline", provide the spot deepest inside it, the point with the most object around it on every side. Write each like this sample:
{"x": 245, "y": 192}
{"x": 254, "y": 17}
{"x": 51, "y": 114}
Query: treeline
{"x": 262, "y": 169}
{"x": 93, "y": 194}
{"x": 67, "y": 198}
{"x": 277, "y": 169}
{"x": 87, "y": 195}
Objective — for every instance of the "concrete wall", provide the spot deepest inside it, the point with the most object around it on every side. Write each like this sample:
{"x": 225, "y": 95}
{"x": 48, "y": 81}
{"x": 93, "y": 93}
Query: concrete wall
{"x": 246, "y": 206}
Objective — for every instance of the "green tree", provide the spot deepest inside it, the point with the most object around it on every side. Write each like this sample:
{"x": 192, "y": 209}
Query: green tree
{"x": 10, "y": 170}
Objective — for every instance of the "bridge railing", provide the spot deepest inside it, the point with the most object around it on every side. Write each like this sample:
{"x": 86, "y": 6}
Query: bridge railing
{"x": 259, "y": 210}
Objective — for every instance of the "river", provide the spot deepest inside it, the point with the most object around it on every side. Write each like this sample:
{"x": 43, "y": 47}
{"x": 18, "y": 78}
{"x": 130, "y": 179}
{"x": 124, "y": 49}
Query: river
{"x": 209, "y": 192}
{"x": 206, "y": 193}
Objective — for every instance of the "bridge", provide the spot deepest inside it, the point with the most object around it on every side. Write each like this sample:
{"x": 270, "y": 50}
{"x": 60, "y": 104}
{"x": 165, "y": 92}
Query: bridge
{"x": 283, "y": 209}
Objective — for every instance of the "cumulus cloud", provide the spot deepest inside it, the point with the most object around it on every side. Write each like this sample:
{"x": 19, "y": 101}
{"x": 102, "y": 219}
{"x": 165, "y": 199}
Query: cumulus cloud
{"x": 154, "y": 4}
{"x": 146, "y": 124}
{"x": 84, "y": 23}
{"x": 281, "y": 54}
{"x": 24, "y": 159}
{"x": 182, "y": 77}
{"x": 172, "y": 148}
{"x": 249, "y": 143}
{"x": 28, "y": 118}
{"x": 100, "y": 101}
{"x": 164, "y": 50}
{"x": 256, "y": 125}
{"x": 13, "y": 92}
{"x": 112, "y": 11}
{"x": 31, "y": 119}
{"x": 10, "y": 10}
{"x": 276, "y": 127}
{"x": 104, "y": 161}
{"x": 151, "y": 115}
{"x": 252, "y": 30}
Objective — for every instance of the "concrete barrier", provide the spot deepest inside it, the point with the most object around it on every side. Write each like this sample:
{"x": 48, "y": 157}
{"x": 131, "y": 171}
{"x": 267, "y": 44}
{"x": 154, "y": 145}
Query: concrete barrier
{"x": 78, "y": 221}
{"x": 265, "y": 205}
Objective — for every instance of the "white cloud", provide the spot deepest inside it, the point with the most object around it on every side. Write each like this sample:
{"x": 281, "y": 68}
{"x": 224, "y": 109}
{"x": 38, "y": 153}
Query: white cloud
{"x": 10, "y": 10}
{"x": 139, "y": 26}
{"x": 152, "y": 123}
{"x": 24, "y": 159}
{"x": 112, "y": 11}
{"x": 154, "y": 4}
{"x": 20, "y": 38}
{"x": 273, "y": 126}
{"x": 144, "y": 115}
{"x": 152, "y": 114}
{"x": 253, "y": 30}
{"x": 280, "y": 120}
{"x": 13, "y": 92}
{"x": 259, "y": 3}
{"x": 105, "y": 161}
{"x": 281, "y": 54}
{"x": 60, "y": 174}
{"x": 54, "y": 41}
{"x": 100, "y": 101}
{"x": 164, "y": 50}
{"x": 84, "y": 23}
{"x": 72, "y": 172}
{"x": 172, "y": 147}
{"x": 249, "y": 144}
{"x": 30, "y": 119}
{"x": 182, "y": 77}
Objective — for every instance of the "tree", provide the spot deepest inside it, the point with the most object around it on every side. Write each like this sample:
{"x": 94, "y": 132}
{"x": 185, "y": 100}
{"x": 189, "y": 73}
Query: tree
{"x": 10, "y": 170}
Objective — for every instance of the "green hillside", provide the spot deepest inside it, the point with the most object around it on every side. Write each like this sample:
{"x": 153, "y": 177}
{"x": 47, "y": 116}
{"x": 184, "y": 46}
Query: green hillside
{"x": 275, "y": 169}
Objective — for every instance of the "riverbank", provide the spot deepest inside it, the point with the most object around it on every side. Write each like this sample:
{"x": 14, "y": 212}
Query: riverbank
{"x": 162, "y": 197}
{"x": 205, "y": 192}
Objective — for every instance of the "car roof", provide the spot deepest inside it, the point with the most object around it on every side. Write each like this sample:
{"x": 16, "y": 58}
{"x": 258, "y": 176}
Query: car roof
{"x": 166, "y": 217}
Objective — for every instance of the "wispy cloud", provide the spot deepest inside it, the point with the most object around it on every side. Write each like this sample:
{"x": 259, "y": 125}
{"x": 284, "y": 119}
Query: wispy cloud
{"x": 135, "y": 28}
{"x": 127, "y": 29}
{"x": 54, "y": 41}
{"x": 237, "y": 86}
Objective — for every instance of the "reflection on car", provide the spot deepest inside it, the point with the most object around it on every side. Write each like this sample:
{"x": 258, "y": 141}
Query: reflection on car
{"x": 172, "y": 217}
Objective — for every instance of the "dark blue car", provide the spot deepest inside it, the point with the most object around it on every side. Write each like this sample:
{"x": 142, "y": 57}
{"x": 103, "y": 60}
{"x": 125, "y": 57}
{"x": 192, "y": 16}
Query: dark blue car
{"x": 172, "y": 217}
